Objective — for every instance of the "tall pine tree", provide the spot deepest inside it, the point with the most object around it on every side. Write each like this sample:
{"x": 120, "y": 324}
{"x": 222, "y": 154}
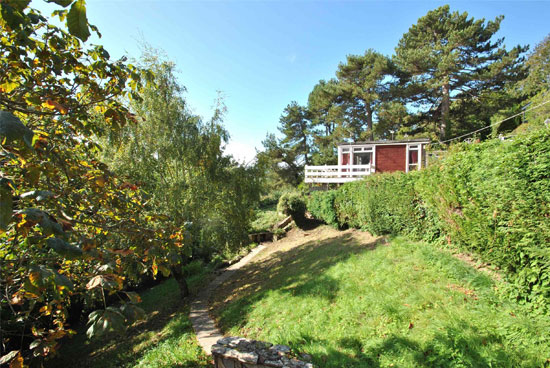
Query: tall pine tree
{"x": 451, "y": 65}
{"x": 362, "y": 81}
{"x": 295, "y": 124}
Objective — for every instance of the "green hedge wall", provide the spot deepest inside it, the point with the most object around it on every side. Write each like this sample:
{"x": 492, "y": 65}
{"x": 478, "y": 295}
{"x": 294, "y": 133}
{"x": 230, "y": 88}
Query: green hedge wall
{"x": 491, "y": 199}
{"x": 321, "y": 206}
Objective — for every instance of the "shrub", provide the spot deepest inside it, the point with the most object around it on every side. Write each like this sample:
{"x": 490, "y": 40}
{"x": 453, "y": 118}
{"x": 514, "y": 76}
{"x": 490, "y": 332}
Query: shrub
{"x": 292, "y": 203}
{"x": 270, "y": 199}
{"x": 383, "y": 204}
{"x": 321, "y": 206}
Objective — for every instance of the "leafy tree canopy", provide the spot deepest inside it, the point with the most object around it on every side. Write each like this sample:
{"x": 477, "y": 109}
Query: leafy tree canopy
{"x": 447, "y": 56}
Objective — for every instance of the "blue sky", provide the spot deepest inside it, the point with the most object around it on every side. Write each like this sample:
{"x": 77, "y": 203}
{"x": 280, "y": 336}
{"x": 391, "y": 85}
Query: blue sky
{"x": 263, "y": 55}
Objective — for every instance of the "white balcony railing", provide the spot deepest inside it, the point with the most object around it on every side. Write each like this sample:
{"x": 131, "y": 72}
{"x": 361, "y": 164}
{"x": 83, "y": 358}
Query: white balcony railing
{"x": 336, "y": 173}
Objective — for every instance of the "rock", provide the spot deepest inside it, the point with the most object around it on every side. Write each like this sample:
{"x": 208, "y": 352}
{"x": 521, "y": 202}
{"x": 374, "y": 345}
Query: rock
{"x": 281, "y": 349}
{"x": 241, "y": 356}
{"x": 274, "y": 363}
{"x": 218, "y": 349}
{"x": 239, "y": 352}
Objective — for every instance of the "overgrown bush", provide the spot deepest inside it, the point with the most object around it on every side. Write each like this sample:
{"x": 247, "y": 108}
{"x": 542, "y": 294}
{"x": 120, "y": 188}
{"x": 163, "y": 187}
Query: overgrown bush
{"x": 491, "y": 199}
{"x": 292, "y": 203}
{"x": 321, "y": 206}
{"x": 380, "y": 204}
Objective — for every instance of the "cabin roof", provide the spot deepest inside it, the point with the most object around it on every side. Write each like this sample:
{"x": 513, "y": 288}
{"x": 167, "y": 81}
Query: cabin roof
{"x": 416, "y": 140}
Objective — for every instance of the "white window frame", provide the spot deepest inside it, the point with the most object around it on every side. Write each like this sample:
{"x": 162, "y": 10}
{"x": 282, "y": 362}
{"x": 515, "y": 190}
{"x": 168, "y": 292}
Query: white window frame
{"x": 414, "y": 147}
{"x": 363, "y": 148}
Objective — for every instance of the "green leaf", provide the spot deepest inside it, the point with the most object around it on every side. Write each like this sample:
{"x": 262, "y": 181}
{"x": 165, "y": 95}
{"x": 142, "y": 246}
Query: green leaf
{"x": 77, "y": 21}
{"x": 47, "y": 223}
{"x": 132, "y": 312}
{"x": 63, "y": 248}
{"x": 6, "y": 204}
{"x": 12, "y": 128}
{"x": 19, "y": 4}
{"x": 9, "y": 356}
{"x": 62, "y": 280}
{"x": 104, "y": 321}
{"x": 63, "y": 3}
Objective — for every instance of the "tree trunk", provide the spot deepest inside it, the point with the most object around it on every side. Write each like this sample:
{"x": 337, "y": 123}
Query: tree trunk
{"x": 445, "y": 107}
{"x": 306, "y": 149}
{"x": 76, "y": 306}
{"x": 369, "y": 122}
{"x": 181, "y": 280}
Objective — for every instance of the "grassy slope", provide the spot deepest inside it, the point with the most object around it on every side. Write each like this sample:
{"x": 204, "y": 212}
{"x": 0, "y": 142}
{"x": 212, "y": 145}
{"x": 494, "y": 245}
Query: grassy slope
{"x": 166, "y": 339}
{"x": 352, "y": 302}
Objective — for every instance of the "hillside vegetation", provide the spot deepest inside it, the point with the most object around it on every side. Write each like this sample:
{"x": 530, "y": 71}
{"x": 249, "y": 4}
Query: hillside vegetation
{"x": 491, "y": 199}
{"x": 351, "y": 300}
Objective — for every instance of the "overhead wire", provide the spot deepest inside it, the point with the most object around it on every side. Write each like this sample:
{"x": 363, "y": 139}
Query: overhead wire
{"x": 497, "y": 123}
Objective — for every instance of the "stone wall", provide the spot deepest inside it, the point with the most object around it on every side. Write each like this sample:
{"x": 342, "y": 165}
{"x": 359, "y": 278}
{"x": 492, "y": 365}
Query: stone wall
{"x": 238, "y": 352}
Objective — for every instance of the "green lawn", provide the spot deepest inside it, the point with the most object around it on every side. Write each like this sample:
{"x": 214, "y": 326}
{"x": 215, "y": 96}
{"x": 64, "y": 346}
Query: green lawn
{"x": 166, "y": 339}
{"x": 403, "y": 304}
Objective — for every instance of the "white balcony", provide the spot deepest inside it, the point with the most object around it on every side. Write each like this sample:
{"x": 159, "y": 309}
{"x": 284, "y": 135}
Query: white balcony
{"x": 336, "y": 173}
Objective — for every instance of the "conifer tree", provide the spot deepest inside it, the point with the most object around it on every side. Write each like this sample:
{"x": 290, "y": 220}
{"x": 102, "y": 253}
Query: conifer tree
{"x": 295, "y": 124}
{"x": 362, "y": 83}
{"x": 448, "y": 59}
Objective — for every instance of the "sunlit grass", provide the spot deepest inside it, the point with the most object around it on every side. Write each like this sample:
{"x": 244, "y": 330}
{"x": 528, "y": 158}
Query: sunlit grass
{"x": 368, "y": 305}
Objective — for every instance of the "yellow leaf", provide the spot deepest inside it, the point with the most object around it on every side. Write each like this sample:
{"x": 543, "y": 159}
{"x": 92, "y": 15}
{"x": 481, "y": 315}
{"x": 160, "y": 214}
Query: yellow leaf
{"x": 100, "y": 181}
{"x": 48, "y": 104}
{"x": 8, "y": 87}
{"x": 46, "y": 309}
{"x": 17, "y": 362}
{"x": 34, "y": 277}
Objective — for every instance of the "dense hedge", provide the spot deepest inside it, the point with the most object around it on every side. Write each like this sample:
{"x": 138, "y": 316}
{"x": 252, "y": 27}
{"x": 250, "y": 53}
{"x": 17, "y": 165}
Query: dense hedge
{"x": 491, "y": 198}
{"x": 321, "y": 206}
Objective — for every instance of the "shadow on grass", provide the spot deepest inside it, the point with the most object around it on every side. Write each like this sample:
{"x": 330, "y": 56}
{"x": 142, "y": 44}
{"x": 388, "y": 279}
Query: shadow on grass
{"x": 165, "y": 321}
{"x": 447, "y": 349}
{"x": 301, "y": 271}
{"x": 298, "y": 271}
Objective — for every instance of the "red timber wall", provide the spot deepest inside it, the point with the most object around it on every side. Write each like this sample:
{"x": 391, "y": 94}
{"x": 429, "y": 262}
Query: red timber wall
{"x": 391, "y": 158}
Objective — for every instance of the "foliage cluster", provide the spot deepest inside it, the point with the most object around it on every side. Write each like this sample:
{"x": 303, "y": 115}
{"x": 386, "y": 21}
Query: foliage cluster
{"x": 76, "y": 235}
{"x": 179, "y": 160}
{"x": 490, "y": 199}
{"x": 73, "y": 235}
{"x": 164, "y": 339}
{"x": 293, "y": 204}
{"x": 266, "y": 219}
{"x": 321, "y": 206}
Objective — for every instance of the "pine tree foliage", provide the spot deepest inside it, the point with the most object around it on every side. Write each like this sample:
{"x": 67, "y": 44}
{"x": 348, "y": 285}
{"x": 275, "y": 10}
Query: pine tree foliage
{"x": 453, "y": 63}
{"x": 295, "y": 125}
{"x": 362, "y": 81}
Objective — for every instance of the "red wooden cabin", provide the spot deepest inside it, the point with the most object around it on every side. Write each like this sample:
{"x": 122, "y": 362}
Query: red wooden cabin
{"x": 359, "y": 159}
